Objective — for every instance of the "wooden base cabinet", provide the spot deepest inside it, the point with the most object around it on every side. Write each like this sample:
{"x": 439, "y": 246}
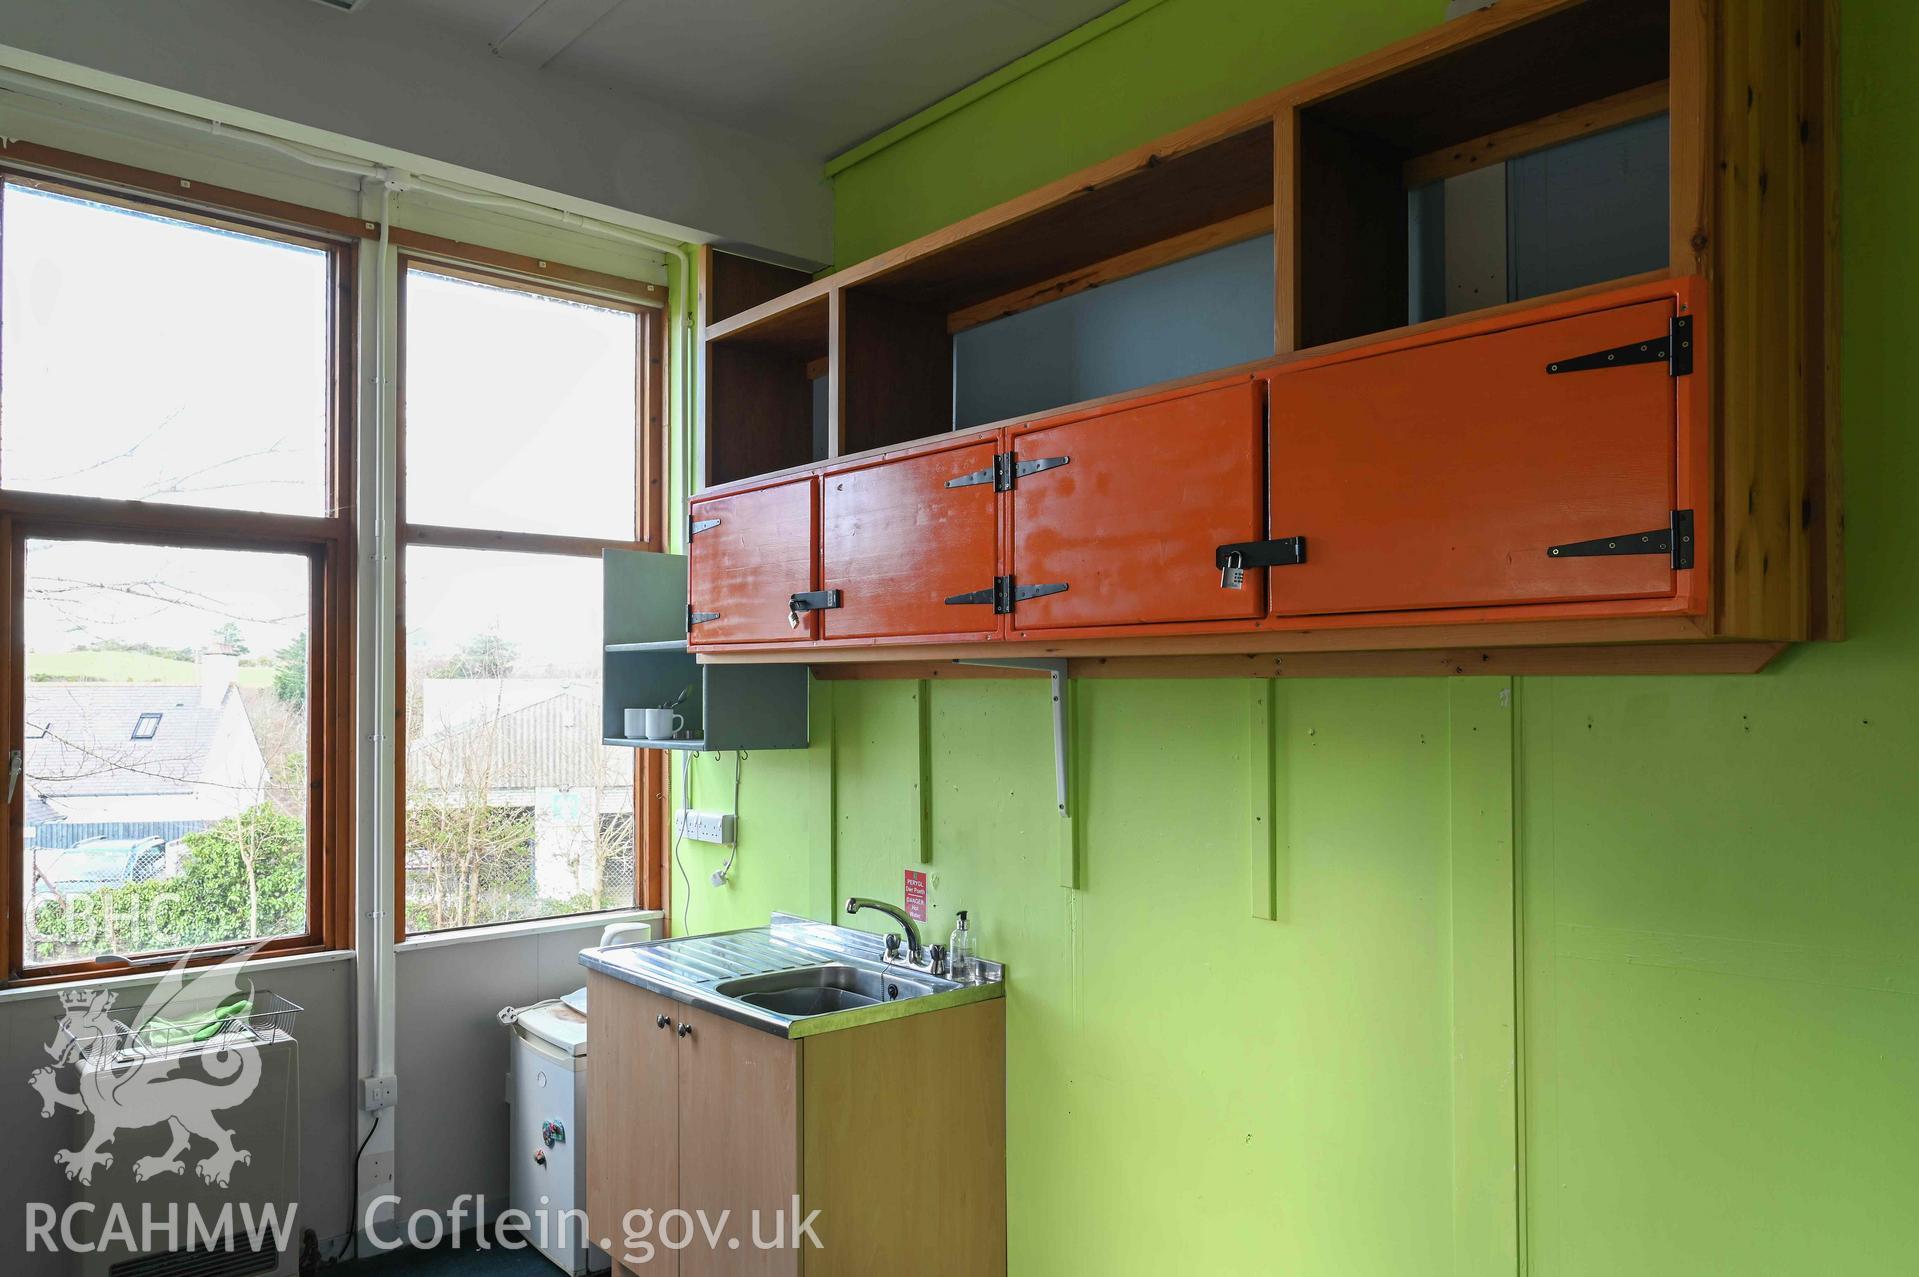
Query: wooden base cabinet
{"x": 894, "y": 1133}
{"x": 633, "y": 1157}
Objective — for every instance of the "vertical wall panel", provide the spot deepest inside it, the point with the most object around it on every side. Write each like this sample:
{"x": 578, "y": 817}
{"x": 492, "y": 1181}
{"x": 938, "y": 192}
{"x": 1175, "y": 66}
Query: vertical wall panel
{"x": 1485, "y": 1047}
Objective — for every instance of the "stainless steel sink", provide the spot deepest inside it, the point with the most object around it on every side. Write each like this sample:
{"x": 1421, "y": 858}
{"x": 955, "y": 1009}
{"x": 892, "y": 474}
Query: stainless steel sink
{"x": 792, "y": 978}
{"x": 821, "y": 990}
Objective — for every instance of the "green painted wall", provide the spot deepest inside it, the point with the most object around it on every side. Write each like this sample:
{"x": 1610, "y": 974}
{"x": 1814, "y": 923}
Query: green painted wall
{"x": 1685, "y": 994}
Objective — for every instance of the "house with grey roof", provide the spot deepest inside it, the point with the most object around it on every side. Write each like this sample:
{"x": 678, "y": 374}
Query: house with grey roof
{"x": 132, "y": 760}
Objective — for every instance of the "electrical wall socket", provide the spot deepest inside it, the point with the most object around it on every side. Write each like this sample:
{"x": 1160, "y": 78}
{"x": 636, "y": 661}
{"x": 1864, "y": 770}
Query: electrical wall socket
{"x": 705, "y": 826}
{"x": 377, "y": 1169}
{"x": 377, "y": 1093}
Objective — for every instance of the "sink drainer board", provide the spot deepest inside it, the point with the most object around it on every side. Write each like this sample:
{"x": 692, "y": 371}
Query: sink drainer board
{"x": 706, "y": 959}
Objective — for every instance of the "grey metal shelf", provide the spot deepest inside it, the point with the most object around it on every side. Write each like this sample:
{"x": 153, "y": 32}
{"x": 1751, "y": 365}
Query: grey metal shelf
{"x": 696, "y": 746}
{"x": 646, "y": 664}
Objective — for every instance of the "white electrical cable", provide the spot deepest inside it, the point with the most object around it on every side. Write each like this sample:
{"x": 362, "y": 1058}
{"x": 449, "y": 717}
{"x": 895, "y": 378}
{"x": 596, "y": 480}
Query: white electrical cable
{"x": 720, "y": 875}
{"x": 510, "y": 1016}
{"x": 679, "y": 828}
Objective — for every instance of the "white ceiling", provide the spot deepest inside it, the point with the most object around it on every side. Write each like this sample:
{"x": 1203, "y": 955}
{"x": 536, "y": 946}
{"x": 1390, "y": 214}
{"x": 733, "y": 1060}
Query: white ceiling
{"x": 818, "y": 75}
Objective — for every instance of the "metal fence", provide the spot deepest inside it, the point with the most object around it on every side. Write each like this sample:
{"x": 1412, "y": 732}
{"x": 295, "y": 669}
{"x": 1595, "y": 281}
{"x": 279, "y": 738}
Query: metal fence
{"x": 69, "y": 833}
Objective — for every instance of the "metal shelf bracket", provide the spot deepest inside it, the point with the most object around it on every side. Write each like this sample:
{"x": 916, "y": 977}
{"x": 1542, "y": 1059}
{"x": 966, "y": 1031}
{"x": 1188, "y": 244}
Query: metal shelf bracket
{"x": 1062, "y": 740}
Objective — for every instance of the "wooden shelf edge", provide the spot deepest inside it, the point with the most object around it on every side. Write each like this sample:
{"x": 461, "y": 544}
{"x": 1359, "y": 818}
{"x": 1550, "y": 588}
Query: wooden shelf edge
{"x": 1564, "y": 126}
{"x": 1467, "y": 635}
{"x": 1618, "y": 659}
{"x": 767, "y": 312}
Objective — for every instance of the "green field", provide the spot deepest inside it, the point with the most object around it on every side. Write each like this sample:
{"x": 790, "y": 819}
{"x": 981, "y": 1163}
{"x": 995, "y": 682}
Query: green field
{"x": 128, "y": 667}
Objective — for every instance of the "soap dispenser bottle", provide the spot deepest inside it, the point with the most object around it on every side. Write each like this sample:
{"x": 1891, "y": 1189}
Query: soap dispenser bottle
{"x": 961, "y": 957}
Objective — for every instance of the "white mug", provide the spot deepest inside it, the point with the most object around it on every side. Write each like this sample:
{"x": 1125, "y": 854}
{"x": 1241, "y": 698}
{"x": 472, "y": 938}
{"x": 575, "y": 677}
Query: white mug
{"x": 660, "y": 724}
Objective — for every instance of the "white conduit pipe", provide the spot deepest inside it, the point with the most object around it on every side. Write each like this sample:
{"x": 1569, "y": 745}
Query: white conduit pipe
{"x": 383, "y": 1047}
{"x": 41, "y": 86}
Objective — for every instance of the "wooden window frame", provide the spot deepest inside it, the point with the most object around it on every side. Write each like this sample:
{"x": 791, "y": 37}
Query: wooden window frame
{"x": 326, "y": 540}
{"x": 528, "y": 275}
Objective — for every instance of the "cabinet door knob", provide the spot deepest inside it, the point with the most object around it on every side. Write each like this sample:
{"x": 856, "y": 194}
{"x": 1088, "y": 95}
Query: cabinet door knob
{"x": 686, "y": 1030}
{"x": 661, "y": 1022}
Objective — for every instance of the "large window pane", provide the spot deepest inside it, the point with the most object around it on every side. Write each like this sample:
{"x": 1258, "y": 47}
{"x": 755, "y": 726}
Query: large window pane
{"x": 520, "y": 410}
{"x": 157, "y": 359}
{"x": 165, "y": 760}
{"x": 514, "y": 809}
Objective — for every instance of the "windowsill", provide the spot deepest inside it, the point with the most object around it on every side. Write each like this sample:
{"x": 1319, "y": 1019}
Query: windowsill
{"x": 266, "y": 966}
{"x": 153, "y": 976}
{"x": 532, "y": 927}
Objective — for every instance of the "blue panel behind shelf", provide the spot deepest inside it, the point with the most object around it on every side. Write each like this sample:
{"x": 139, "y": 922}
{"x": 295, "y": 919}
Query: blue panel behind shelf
{"x": 1210, "y": 311}
{"x": 1579, "y": 213}
{"x": 820, "y": 420}
{"x": 1590, "y": 210}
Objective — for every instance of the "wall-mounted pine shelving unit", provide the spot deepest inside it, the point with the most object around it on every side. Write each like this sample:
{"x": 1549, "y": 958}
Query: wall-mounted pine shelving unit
{"x": 1446, "y": 217}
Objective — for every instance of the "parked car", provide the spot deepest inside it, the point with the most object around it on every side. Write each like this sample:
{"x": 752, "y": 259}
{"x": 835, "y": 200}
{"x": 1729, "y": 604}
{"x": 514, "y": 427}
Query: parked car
{"x": 96, "y": 863}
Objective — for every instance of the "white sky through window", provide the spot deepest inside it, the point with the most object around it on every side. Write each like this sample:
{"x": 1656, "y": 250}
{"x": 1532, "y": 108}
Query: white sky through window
{"x": 520, "y": 410}
{"x": 153, "y": 359}
{"x": 82, "y": 593}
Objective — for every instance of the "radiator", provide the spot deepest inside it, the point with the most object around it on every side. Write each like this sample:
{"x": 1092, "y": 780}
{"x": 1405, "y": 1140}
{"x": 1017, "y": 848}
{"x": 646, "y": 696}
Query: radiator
{"x": 266, "y": 1126}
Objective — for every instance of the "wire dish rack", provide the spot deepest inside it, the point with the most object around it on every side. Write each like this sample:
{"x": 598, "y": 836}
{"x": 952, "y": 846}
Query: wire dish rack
{"x": 269, "y": 1018}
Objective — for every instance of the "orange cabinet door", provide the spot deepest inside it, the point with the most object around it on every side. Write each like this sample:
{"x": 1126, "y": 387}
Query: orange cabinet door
{"x": 1443, "y": 476}
{"x": 899, "y": 538}
{"x": 749, "y": 554}
{"x": 1132, "y": 509}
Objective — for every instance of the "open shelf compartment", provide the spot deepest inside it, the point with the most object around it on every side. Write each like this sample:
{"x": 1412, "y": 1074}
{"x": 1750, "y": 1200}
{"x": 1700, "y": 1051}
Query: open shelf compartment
{"x": 1358, "y": 157}
{"x": 884, "y": 330}
{"x": 646, "y": 665}
{"x": 765, "y": 399}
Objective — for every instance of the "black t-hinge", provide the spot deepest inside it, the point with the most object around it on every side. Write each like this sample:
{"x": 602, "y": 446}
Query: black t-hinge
{"x": 698, "y": 618}
{"x": 1007, "y": 470}
{"x": 1003, "y": 594}
{"x": 1675, "y": 540}
{"x": 1674, "y": 350}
